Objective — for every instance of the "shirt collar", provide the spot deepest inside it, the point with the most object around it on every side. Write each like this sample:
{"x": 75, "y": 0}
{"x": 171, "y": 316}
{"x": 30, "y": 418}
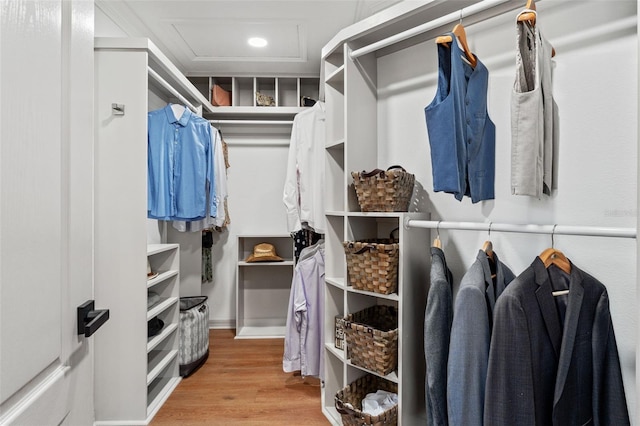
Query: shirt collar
{"x": 186, "y": 116}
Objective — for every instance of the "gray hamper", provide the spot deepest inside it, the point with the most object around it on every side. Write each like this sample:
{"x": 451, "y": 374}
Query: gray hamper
{"x": 194, "y": 334}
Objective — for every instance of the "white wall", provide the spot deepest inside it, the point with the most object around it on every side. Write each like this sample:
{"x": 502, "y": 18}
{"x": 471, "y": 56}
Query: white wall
{"x": 595, "y": 86}
{"x": 256, "y": 180}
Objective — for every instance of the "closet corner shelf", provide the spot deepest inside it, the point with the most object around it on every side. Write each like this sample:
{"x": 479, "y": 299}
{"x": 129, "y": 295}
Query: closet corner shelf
{"x": 159, "y": 360}
{"x": 392, "y": 377}
{"x": 158, "y": 308}
{"x": 336, "y": 78}
{"x": 377, "y": 214}
{"x": 159, "y": 248}
{"x": 393, "y": 296}
{"x": 253, "y": 111}
{"x": 159, "y": 396}
{"x": 154, "y": 341}
{"x": 163, "y": 276}
{"x": 335, "y": 351}
{"x": 336, "y": 282}
{"x": 337, "y": 144}
{"x": 337, "y": 213}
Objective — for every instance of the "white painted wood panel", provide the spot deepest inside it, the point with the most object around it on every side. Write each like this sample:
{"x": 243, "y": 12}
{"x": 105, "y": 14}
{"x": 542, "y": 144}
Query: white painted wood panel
{"x": 45, "y": 211}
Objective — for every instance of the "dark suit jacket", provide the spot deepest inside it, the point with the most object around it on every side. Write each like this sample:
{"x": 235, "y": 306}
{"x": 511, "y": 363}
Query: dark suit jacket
{"x": 470, "y": 339}
{"x": 437, "y": 329}
{"x": 554, "y": 361}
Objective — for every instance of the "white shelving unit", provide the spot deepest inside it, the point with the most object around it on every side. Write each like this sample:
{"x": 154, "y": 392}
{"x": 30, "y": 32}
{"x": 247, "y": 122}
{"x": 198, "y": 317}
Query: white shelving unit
{"x": 286, "y": 91}
{"x": 263, "y": 288}
{"x": 162, "y": 349}
{"x": 134, "y": 374}
{"x": 352, "y": 99}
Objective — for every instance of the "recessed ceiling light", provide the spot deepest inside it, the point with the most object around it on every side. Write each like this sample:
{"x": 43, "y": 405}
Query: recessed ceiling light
{"x": 257, "y": 42}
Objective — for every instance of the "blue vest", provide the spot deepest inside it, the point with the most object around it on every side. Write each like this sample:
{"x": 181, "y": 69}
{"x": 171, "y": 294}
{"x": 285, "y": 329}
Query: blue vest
{"x": 461, "y": 134}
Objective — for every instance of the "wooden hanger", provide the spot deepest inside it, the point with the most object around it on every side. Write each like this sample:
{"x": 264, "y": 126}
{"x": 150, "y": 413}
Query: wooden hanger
{"x": 487, "y": 247}
{"x": 436, "y": 242}
{"x": 552, "y": 256}
{"x": 530, "y": 17}
{"x": 460, "y": 33}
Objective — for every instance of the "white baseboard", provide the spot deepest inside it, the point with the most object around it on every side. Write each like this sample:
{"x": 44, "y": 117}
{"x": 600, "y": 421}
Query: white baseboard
{"x": 222, "y": 324}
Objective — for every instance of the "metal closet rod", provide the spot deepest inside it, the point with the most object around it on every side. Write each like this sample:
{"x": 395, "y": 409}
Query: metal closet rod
{"x": 170, "y": 88}
{"x": 590, "y": 231}
{"x": 252, "y": 122}
{"x": 465, "y": 12}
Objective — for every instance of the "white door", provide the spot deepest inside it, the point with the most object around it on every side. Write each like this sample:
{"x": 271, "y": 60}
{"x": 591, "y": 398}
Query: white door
{"x": 46, "y": 210}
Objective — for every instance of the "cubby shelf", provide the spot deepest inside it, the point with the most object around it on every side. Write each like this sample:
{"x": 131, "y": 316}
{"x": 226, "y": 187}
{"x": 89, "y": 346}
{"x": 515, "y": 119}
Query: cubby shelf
{"x": 287, "y": 93}
{"x": 263, "y": 288}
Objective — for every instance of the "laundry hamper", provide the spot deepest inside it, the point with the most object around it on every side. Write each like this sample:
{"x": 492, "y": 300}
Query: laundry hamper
{"x": 194, "y": 334}
{"x": 349, "y": 402}
{"x": 372, "y": 338}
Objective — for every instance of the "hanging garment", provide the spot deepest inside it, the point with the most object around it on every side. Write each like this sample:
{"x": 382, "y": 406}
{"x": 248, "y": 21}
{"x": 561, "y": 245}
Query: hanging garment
{"x": 304, "y": 183}
{"x": 470, "y": 339}
{"x": 304, "y": 340}
{"x": 554, "y": 363}
{"x": 207, "y": 264}
{"x": 302, "y": 239}
{"x": 221, "y": 192}
{"x": 180, "y": 166}
{"x": 461, "y": 134}
{"x": 437, "y": 331}
{"x": 533, "y": 114}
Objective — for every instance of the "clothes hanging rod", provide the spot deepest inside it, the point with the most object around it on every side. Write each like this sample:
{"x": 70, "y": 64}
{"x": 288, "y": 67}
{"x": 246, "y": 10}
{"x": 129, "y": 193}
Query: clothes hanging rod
{"x": 171, "y": 89}
{"x": 448, "y": 19}
{"x": 589, "y": 231}
{"x": 252, "y": 122}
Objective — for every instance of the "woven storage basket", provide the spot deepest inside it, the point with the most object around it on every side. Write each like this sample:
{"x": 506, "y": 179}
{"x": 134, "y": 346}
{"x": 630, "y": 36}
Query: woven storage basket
{"x": 372, "y": 265}
{"x": 372, "y": 338}
{"x": 355, "y": 393}
{"x": 384, "y": 191}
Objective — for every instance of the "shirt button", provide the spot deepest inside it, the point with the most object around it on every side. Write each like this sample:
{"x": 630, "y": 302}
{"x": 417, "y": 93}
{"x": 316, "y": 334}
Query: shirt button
{"x": 466, "y": 101}
{"x": 468, "y": 121}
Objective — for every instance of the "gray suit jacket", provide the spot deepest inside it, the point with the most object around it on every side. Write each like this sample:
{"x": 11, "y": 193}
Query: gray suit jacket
{"x": 437, "y": 329}
{"x": 470, "y": 338}
{"x": 554, "y": 362}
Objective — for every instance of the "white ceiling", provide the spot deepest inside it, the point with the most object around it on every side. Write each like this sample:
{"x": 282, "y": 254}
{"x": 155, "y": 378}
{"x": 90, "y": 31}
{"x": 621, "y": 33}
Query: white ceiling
{"x": 209, "y": 37}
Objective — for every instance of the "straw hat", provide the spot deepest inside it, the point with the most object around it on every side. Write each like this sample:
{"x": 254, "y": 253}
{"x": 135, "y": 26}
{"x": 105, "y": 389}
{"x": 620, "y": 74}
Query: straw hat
{"x": 264, "y": 252}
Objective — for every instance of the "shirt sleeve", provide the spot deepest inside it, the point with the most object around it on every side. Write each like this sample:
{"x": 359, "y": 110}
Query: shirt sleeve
{"x": 292, "y": 341}
{"x": 211, "y": 176}
{"x": 220, "y": 178}
{"x": 291, "y": 189}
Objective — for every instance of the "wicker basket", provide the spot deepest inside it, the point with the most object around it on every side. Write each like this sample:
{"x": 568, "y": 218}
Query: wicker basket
{"x": 372, "y": 265}
{"x": 355, "y": 393}
{"x": 384, "y": 191}
{"x": 372, "y": 338}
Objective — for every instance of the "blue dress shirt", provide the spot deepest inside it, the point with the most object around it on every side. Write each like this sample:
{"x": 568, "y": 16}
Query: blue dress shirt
{"x": 180, "y": 166}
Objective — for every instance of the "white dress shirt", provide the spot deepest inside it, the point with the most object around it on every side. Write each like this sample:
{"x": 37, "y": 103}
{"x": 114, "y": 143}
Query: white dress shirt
{"x": 303, "y": 342}
{"x": 221, "y": 192}
{"x": 304, "y": 184}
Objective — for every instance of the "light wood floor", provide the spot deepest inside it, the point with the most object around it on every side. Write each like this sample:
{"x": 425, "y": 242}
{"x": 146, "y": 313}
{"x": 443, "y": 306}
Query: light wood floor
{"x": 242, "y": 383}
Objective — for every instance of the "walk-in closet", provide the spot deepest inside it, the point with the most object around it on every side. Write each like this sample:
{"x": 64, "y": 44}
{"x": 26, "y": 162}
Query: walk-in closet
{"x": 401, "y": 212}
